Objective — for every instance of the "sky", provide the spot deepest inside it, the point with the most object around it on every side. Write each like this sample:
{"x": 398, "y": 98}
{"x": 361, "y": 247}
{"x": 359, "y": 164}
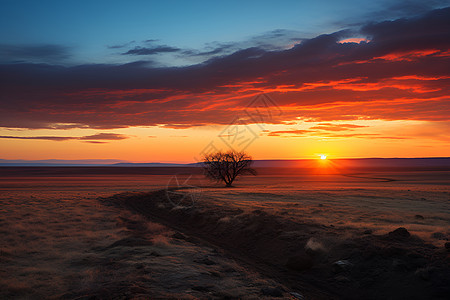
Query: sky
{"x": 154, "y": 81}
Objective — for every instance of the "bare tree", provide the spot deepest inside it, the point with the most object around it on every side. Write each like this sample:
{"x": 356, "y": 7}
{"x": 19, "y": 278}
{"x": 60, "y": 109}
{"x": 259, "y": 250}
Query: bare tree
{"x": 226, "y": 166}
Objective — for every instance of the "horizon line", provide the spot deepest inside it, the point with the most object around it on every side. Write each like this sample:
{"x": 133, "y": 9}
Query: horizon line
{"x": 113, "y": 162}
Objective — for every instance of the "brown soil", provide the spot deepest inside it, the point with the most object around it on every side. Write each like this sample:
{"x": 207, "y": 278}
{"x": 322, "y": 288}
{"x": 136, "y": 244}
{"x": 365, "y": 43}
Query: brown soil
{"x": 319, "y": 261}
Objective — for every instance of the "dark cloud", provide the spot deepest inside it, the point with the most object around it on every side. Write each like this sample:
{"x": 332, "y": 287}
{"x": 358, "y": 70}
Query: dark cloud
{"x": 96, "y": 138}
{"x": 33, "y": 53}
{"x": 95, "y": 142}
{"x": 401, "y": 73}
{"x": 279, "y": 39}
{"x": 121, "y": 46}
{"x": 274, "y": 40}
{"x": 152, "y": 50}
{"x": 105, "y": 136}
{"x": 49, "y": 138}
{"x": 209, "y": 51}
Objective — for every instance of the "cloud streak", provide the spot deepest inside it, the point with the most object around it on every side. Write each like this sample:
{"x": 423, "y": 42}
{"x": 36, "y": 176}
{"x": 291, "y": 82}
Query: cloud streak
{"x": 95, "y": 138}
{"x": 151, "y": 50}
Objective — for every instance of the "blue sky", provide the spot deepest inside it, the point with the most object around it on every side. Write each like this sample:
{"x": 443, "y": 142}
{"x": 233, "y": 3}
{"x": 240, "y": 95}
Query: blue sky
{"x": 85, "y": 30}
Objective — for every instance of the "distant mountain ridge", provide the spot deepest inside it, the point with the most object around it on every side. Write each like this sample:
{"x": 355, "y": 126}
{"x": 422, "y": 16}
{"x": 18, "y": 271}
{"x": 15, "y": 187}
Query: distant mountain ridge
{"x": 293, "y": 163}
{"x": 154, "y": 165}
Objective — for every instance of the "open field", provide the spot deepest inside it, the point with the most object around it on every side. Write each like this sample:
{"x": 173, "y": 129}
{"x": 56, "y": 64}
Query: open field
{"x": 58, "y": 241}
{"x": 280, "y": 233}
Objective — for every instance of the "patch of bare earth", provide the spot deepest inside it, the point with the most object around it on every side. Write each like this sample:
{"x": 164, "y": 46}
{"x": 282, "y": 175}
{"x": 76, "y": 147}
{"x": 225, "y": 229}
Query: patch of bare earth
{"x": 321, "y": 261}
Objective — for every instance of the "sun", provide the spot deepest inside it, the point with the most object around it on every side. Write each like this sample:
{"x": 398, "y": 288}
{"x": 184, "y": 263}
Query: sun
{"x": 323, "y": 156}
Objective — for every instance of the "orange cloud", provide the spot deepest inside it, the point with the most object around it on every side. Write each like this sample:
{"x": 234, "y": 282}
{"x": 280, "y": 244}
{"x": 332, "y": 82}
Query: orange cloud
{"x": 336, "y": 127}
{"x": 354, "y": 40}
{"x": 95, "y": 138}
{"x": 288, "y": 132}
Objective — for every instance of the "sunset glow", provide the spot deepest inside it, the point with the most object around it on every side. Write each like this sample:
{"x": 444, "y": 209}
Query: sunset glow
{"x": 353, "y": 91}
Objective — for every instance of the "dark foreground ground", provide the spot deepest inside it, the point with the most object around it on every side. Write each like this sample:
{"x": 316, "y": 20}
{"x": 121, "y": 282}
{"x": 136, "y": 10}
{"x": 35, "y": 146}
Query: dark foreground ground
{"x": 320, "y": 261}
{"x": 281, "y": 235}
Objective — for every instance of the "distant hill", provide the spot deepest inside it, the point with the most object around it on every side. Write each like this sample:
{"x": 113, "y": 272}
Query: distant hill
{"x": 420, "y": 163}
{"x": 154, "y": 165}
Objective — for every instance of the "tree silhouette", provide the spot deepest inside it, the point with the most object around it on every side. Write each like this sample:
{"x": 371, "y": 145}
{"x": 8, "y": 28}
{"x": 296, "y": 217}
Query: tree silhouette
{"x": 227, "y": 166}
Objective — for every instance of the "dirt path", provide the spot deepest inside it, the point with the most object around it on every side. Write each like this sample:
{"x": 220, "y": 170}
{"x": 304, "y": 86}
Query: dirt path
{"x": 313, "y": 259}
